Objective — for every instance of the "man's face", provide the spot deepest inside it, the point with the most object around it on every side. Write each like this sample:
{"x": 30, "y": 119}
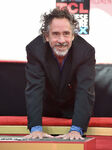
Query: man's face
{"x": 60, "y": 36}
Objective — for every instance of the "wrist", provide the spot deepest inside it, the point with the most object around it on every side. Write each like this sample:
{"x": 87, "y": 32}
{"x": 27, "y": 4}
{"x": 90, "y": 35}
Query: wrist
{"x": 36, "y": 128}
{"x": 76, "y": 128}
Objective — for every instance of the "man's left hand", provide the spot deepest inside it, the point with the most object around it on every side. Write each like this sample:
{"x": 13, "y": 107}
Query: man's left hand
{"x": 71, "y": 136}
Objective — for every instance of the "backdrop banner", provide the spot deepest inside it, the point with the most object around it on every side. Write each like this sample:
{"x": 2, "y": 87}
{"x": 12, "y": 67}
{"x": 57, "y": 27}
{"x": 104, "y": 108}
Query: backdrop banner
{"x": 80, "y": 8}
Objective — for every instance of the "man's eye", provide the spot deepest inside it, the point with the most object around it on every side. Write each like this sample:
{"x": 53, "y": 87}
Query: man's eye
{"x": 66, "y": 33}
{"x": 55, "y": 33}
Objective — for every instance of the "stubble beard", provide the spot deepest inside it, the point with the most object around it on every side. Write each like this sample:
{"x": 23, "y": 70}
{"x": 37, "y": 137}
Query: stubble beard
{"x": 60, "y": 53}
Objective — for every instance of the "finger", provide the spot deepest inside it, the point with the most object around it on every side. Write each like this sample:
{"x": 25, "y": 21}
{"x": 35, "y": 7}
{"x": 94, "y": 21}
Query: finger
{"x": 24, "y": 137}
{"x": 72, "y": 138}
{"x": 45, "y": 135}
{"x": 66, "y": 137}
{"x": 40, "y": 137}
{"x": 27, "y": 137}
{"x": 34, "y": 137}
{"x": 77, "y": 138}
{"x": 48, "y": 136}
{"x": 82, "y": 138}
{"x": 59, "y": 136}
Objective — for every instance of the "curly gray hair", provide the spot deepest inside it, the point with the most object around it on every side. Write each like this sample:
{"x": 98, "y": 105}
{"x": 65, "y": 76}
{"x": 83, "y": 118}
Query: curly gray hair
{"x": 46, "y": 19}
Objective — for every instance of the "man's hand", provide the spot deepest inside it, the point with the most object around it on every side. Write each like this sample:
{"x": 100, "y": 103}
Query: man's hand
{"x": 71, "y": 135}
{"x": 37, "y": 134}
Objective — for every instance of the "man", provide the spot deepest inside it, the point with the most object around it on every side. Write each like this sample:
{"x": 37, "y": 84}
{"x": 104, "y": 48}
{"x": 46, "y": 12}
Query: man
{"x": 60, "y": 76}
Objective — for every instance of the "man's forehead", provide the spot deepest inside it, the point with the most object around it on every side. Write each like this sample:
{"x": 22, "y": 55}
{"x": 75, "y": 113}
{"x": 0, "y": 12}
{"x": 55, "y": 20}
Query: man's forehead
{"x": 61, "y": 23}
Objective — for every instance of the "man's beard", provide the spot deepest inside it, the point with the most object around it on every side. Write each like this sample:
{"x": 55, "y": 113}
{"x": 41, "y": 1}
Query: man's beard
{"x": 60, "y": 53}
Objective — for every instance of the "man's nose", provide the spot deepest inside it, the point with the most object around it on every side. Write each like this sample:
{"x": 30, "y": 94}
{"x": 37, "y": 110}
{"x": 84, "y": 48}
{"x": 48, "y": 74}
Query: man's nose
{"x": 61, "y": 39}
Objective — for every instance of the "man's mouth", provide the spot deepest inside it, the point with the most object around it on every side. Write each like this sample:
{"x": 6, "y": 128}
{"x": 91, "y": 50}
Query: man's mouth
{"x": 61, "y": 45}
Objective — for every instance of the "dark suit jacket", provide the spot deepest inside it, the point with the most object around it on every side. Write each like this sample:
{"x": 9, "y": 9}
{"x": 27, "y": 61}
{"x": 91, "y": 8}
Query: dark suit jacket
{"x": 68, "y": 92}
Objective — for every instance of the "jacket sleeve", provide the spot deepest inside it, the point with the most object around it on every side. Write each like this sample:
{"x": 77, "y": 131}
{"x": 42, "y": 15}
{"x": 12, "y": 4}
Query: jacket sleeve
{"x": 34, "y": 91}
{"x": 85, "y": 94}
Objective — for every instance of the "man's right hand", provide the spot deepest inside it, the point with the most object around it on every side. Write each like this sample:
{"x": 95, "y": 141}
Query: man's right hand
{"x": 37, "y": 135}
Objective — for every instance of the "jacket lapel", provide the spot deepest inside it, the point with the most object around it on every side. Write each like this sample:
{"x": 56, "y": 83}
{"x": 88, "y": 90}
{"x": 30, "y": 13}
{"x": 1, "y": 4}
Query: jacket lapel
{"x": 66, "y": 71}
{"x": 70, "y": 66}
{"x": 52, "y": 67}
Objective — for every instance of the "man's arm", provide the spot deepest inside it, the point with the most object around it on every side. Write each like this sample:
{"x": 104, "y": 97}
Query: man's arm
{"x": 34, "y": 91}
{"x": 85, "y": 94}
{"x": 84, "y": 99}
